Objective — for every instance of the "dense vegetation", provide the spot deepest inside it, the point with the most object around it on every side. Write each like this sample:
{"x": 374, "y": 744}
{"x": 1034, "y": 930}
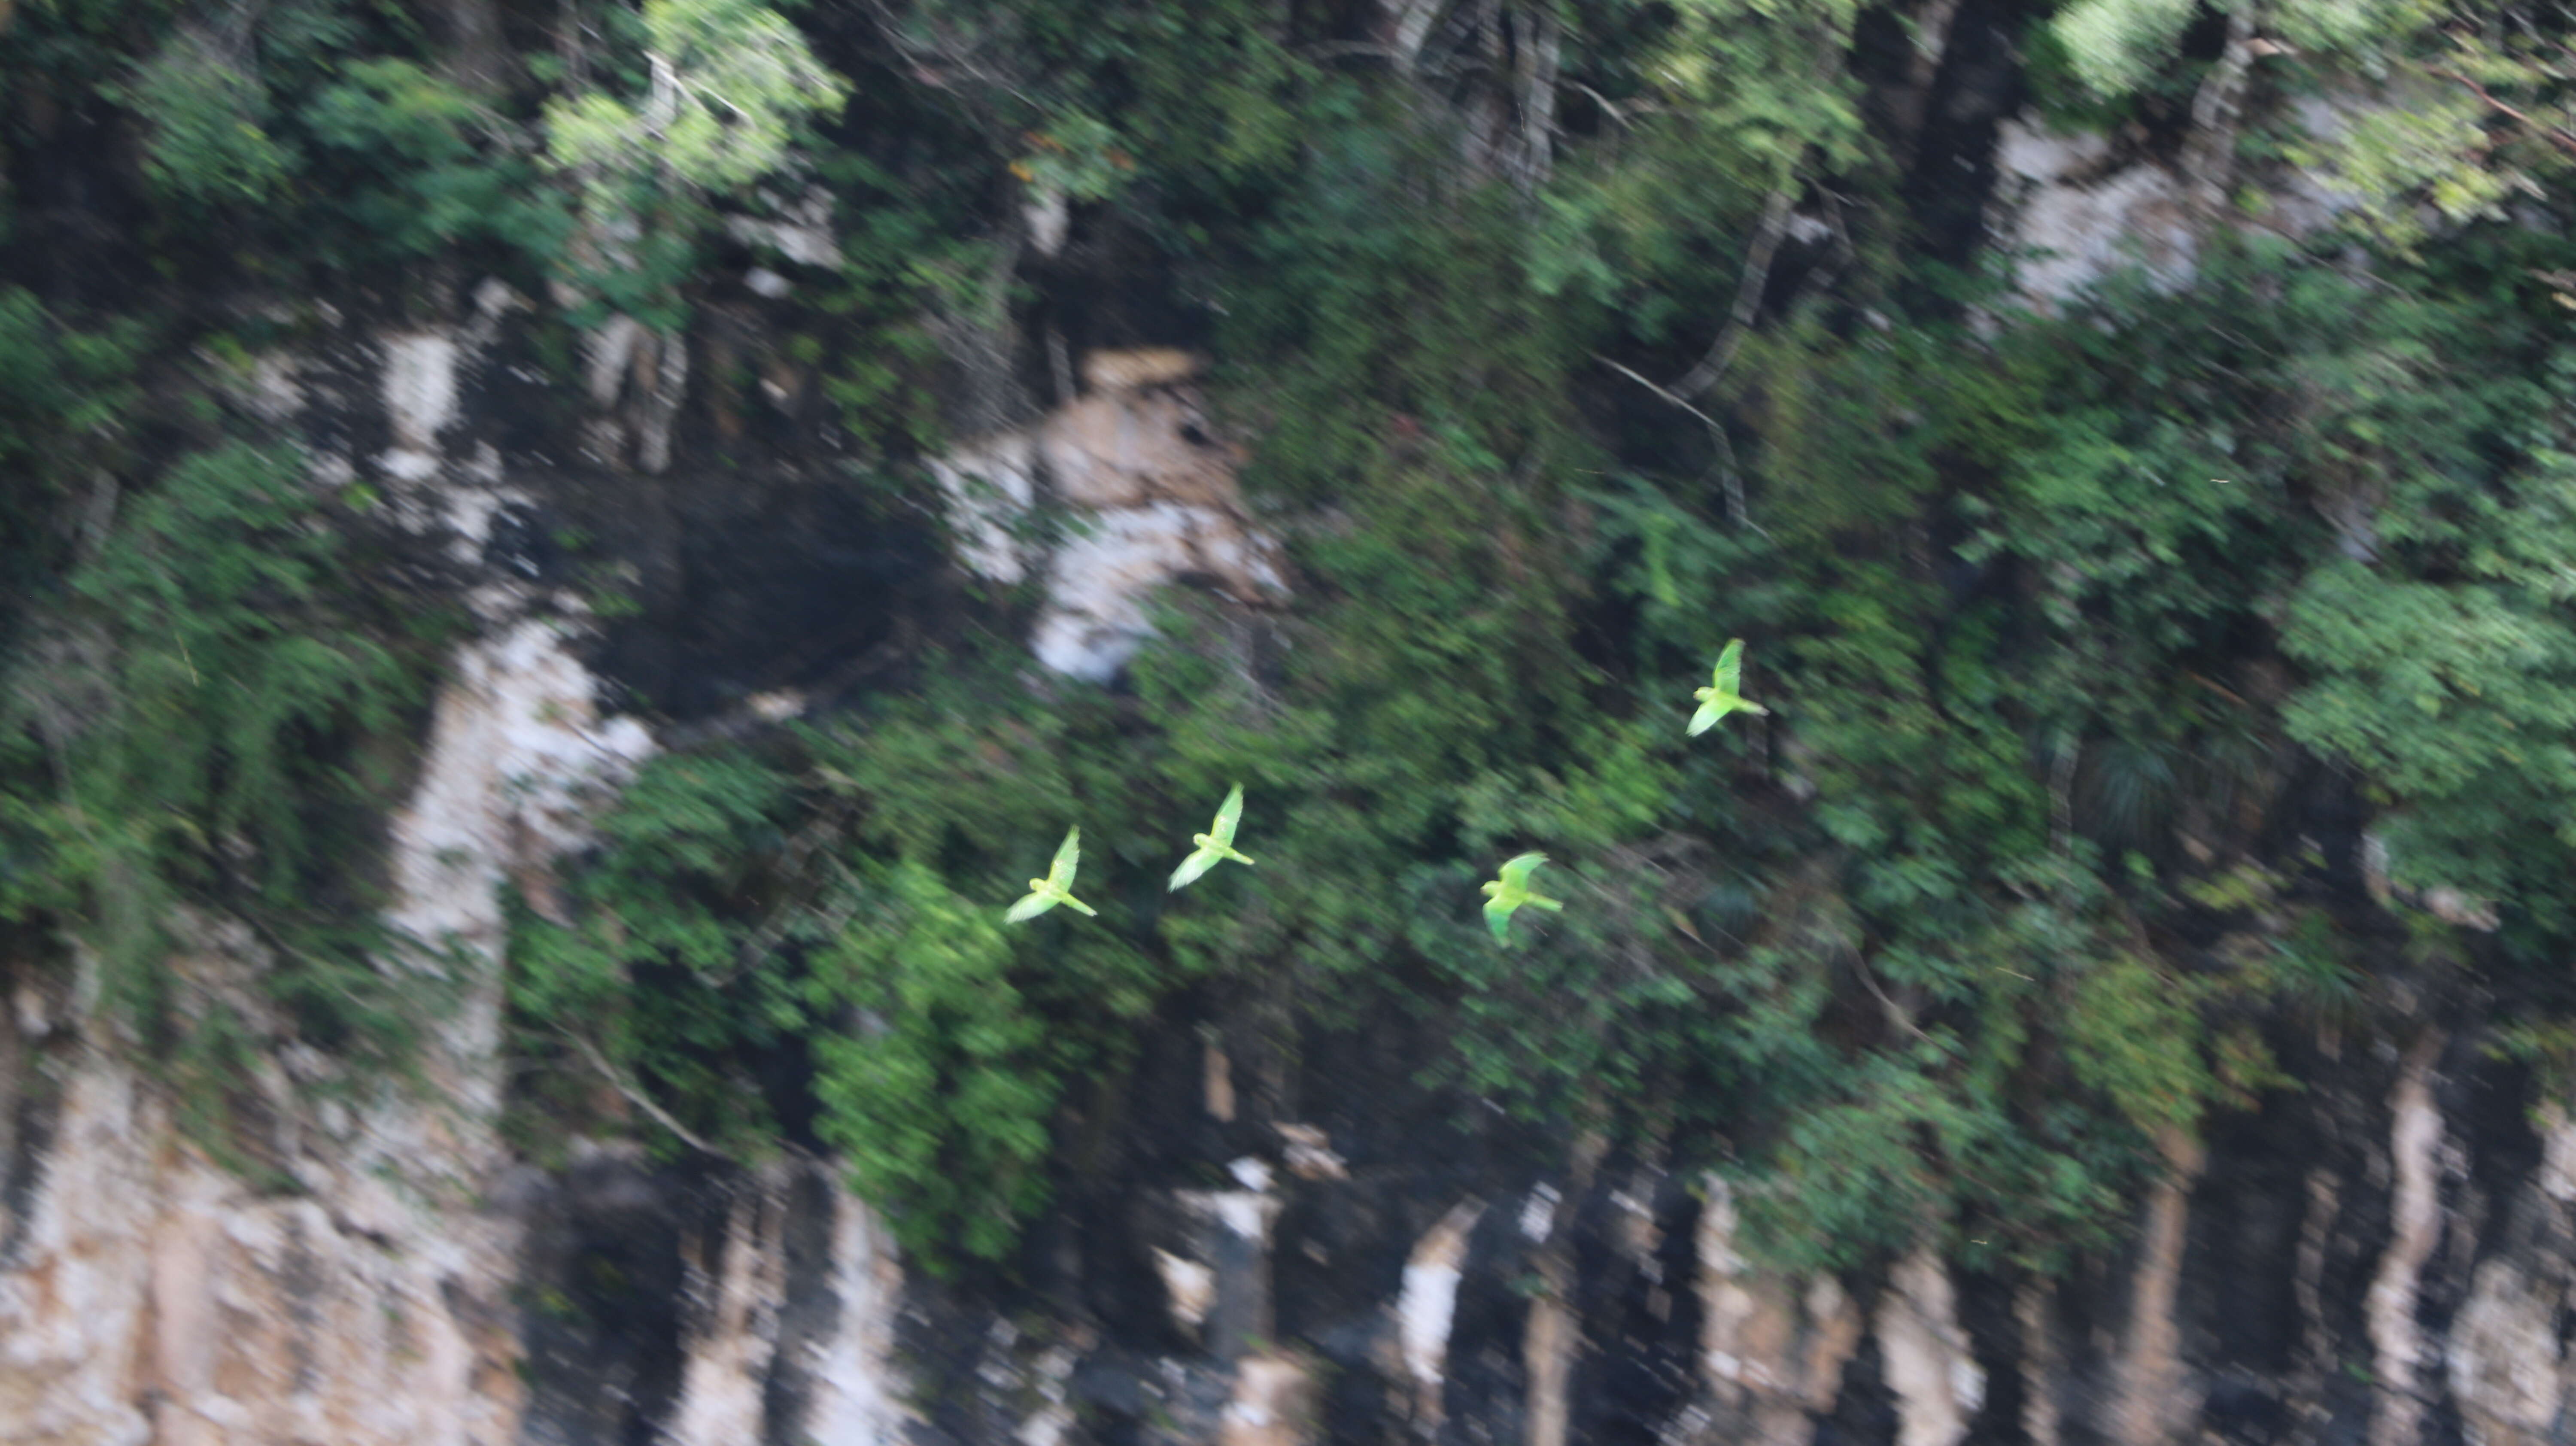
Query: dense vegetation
{"x": 2078, "y": 631}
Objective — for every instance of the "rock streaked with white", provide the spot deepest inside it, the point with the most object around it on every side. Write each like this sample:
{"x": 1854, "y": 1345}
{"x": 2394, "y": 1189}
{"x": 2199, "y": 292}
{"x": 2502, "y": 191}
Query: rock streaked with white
{"x": 2155, "y": 1403}
{"x": 1158, "y": 497}
{"x": 2506, "y": 1368}
{"x": 730, "y": 1339}
{"x": 2056, "y": 194}
{"x": 1189, "y": 1288}
{"x": 156, "y": 1297}
{"x": 2398, "y": 1352}
{"x": 519, "y": 758}
{"x": 1274, "y": 1403}
{"x": 1772, "y": 1349}
{"x": 1427, "y": 1306}
{"x": 990, "y": 485}
{"x": 1100, "y": 584}
{"x": 1924, "y": 1354}
{"x": 856, "y": 1394}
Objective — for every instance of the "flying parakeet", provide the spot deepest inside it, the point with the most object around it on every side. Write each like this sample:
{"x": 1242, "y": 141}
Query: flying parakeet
{"x": 1057, "y": 887}
{"x": 1214, "y": 845}
{"x": 1512, "y": 890}
{"x": 1728, "y": 694}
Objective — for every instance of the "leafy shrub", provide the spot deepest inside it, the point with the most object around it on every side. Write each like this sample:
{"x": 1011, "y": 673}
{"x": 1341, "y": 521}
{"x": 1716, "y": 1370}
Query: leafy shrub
{"x": 208, "y": 118}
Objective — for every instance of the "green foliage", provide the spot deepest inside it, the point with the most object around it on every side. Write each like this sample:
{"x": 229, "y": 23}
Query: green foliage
{"x": 1206, "y": 94}
{"x": 63, "y": 395}
{"x": 193, "y": 699}
{"x": 2458, "y": 698}
{"x": 726, "y": 85}
{"x": 2046, "y": 612}
{"x": 901, "y": 266}
{"x": 209, "y": 142}
{"x": 2118, "y": 45}
{"x": 728, "y": 81}
{"x": 667, "y": 974}
{"x": 188, "y": 719}
{"x": 1737, "y": 100}
{"x": 1077, "y": 156}
{"x": 2455, "y": 108}
{"x": 2394, "y": 159}
{"x": 421, "y": 164}
{"x": 2115, "y": 45}
{"x": 942, "y": 1094}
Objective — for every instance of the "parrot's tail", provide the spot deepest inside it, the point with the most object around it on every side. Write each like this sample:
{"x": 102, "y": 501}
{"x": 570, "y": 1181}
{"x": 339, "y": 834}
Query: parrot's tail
{"x": 1088, "y": 911}
{"x": 1551, "y": 905}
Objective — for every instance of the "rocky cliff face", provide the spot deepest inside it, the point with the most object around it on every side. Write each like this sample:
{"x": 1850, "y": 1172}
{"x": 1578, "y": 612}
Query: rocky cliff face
{"x": 2381, "y": 1256}
{"x": 1268, "y": 1241}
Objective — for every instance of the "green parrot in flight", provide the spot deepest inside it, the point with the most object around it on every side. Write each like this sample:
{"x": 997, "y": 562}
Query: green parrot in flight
{"x": 1215, "y": 845}
{"x": 1512, "y": 890}
{"x": 1057, "y": 887}
{"x": 1728, "y": 694}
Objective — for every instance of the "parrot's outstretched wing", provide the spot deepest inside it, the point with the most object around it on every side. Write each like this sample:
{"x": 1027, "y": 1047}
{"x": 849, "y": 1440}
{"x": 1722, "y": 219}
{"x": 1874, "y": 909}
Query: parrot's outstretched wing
{"x": 1199, "y": 862}
{"x": 1498, "y": 917}
{"x": 1516, "y": 873}
{"x": 1705, "y": 719}
{"x": 1227, "y": 817}
{"x": 1730, "y": 668}
{"x": 1029, "y": 908}
{"x": 1067, "y": 859}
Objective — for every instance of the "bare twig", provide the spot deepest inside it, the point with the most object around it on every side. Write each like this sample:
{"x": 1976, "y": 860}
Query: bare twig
{"x": 2061, "y": 793}
{"x": 2213, "y": 687}
{"x": 1412, "y": 28}
{"x": 2556, "y": 136}
{"x": 1722, "y": 451}
{"x": 1538, "y": 56}
{"x": 638, "y": 1098}
{"x": 2211, "y": 152}
{"x": 1895, "y": 1013}
{"x": 1733, "y": 482}
{"x": 1609, "y": 107}
{"x": 1328, "y": 49}
{"x": 1655, "y": 388}
{"x": 1748, "y": 294}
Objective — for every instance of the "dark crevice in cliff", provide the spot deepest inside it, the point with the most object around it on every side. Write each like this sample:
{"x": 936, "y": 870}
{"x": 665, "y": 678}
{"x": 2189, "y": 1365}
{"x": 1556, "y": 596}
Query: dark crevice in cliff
{"x": 811, "y": 1307}
{"x": 1865, "y": 1413}
{"x": 749, "y": 589}
{"x": 601, "y": 1301}
{"x": 1639, "y": 1306}
{"x": 31, "y": 1095}
{"x": 1946, "y": 188}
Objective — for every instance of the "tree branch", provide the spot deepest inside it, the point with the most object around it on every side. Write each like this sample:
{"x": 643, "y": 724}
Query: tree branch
{"x": 2558, "y": 137}
{"x": 637, "y": 1097}
{"x": 1657, "y": 390}
{"x": 1748, "y": 294}
{"x": 1723, "y": 450}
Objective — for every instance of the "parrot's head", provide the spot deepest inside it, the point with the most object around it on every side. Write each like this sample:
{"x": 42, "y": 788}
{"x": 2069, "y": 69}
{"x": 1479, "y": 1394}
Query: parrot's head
{"x": 1037, "y": 886}
{"x": 1492, "y": 886}
{"x": 1203, "y": 841}
{"x": 1706, "y": 695}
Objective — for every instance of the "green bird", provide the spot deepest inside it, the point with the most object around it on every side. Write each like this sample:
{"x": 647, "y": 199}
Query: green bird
{"x": 1512, "y": 890}
{"x": 1728, "y": 694}
{"x": 1057, "y": 887}
{"x": 1214, "y": 846}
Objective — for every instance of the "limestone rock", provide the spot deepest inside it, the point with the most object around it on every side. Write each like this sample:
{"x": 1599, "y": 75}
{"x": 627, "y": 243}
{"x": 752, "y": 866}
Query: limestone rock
{"x": 1428, "y": 1305}
{"x": 1926, "y": 1356}
{"x": 1137, "y": 457}
{"x": 1274, "y": 1403}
